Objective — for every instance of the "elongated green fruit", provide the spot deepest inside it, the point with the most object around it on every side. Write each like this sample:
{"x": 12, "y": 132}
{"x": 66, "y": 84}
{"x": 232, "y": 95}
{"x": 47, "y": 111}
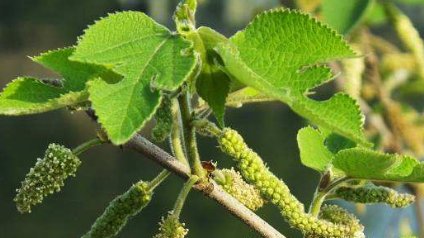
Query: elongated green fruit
{"x": 171, "y": 227}
{"x": 338, "y": 215}
{"x": 275, "y": 190}
{"x": 163, "y": 118}
{"x": 46, "y": 177}
{"x": 120, "y": 210}
{"x": 232, "y": 182}
{"x": 375, "y": 194}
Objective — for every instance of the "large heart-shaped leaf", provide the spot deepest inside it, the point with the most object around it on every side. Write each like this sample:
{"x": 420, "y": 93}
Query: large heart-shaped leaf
{"x": 280, "y": 54}
{"x": 147, "y": 55}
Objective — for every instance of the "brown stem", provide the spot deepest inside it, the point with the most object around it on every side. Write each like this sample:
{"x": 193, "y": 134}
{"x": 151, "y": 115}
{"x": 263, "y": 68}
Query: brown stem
{"x": 153, "y": 152}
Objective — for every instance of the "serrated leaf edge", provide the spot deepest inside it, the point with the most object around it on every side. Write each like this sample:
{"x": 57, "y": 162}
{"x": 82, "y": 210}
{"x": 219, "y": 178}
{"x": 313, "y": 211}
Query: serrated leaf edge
{"x": 395, "y": 157}
{"x": 360, "y": 116}
{"x": 112, "y": 66}
{"x": 82, "y": 95}
{"x": 310, "y": 17}
{"x": 230, "y": 48}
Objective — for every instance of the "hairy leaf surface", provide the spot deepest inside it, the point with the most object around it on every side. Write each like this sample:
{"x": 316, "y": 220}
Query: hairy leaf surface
{"x": 26, "y": 95}
{"x": 336, "y": 143}
{"x": 147, "y": 55}
{"x": 280, "y": 54}
{"x": 368, "y": 164}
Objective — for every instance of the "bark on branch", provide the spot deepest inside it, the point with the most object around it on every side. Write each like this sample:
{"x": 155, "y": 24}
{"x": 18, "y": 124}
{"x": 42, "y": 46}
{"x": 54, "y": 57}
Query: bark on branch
{"x": 153, "y": 152}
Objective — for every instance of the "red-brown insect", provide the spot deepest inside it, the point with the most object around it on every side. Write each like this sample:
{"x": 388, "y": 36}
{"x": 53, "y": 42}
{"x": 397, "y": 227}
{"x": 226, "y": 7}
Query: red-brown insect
{"x": 209, "y": 166}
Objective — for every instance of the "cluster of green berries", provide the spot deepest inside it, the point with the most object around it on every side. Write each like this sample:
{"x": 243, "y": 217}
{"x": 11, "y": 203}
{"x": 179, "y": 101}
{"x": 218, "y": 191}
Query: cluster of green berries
{"x": 338, "y": 215}
{"x": 375, "y": 194}
{"x": 164, "y": 119}
{"x": 232, "y": 182}
{"x": 171, "y": 227}
{"x": 276, "y": 191}
{"x": 120, "y": 210}
{"x": 46, "y": 177}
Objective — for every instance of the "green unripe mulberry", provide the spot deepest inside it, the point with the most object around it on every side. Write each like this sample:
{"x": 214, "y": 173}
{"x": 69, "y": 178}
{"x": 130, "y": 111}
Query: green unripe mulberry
{"x": 120, "y": 210}
{"x": 163, "y": 118}
{"x": 375, "y": 194}
{"x": 171, "y": 227}
{"x": 232, "y": 182}
{"x": 338, "y": 215}
{"x": 46, "y": 177}
{"x": 275, "y": 190}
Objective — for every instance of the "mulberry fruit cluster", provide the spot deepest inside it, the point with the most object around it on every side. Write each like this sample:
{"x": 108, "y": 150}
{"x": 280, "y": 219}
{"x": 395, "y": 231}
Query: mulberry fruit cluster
{"x": 375, "y": 194}
{"x": 338, "y": 215}
{"x": 275, "y": 190}
{"x": 232, "y": 182}
{"x": 46, "y": 177}
{"x": 171, "y": 227}
{"x": 120, "y": 210}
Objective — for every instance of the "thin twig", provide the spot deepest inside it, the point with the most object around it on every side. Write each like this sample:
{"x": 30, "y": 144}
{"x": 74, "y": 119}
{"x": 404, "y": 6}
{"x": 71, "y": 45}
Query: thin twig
{"x": 153, "y": 152}
{"x": 179, "y": 203}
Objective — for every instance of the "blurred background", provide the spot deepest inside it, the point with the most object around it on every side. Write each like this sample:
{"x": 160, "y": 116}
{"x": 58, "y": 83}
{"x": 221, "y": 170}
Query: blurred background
{"x": 28, "y": 28}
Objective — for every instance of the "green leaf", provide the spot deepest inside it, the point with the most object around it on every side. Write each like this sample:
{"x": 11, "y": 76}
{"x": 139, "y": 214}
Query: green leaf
{"x": 247, "y": 95}
{"x": 278, "y": 53}
{"x": 147, "y": 55}
{"x": 26, "y": 95}
{"x": 212, "y": 85}
{"x": 336, "y": 143}
{"x": 343, "y": 16}
{"x": 313, "y": 152}
{"x": 373, "y": 165}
